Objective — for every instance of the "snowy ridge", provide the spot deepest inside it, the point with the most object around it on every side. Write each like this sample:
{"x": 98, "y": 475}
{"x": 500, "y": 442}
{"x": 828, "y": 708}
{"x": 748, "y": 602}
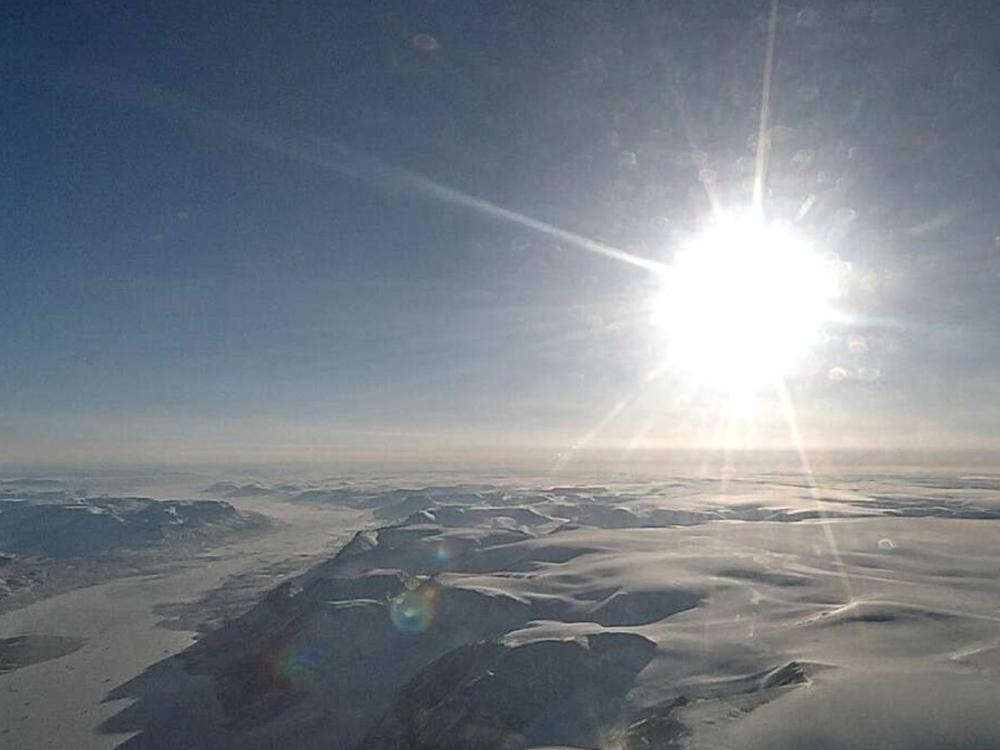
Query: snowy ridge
{"x": 580, "y": 617}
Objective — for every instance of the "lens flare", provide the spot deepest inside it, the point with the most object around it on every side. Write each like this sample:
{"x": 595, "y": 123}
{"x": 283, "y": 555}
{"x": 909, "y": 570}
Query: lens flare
{"x": 298, "y": 664}
{"x": 445, "y": 552}
{"x": 412, "y": 612}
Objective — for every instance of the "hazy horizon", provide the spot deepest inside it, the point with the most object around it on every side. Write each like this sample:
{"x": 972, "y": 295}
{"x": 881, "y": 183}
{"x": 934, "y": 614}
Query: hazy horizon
{"x": 644, "y": 465}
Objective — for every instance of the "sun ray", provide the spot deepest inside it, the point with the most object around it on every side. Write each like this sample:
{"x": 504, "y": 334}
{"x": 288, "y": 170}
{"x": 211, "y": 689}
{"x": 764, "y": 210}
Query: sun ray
{"x": 640, "y": 435}
{"x": 602, "y": 424}
{"x": 792, "y": 422}
{"x": 661, "y": 51}
{"x": 716, "y": 442}
{"x": 331, "y": 156}
{"x": 763, "y": 136}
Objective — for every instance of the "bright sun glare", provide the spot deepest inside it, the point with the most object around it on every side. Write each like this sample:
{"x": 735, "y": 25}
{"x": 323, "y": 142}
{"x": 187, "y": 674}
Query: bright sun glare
{"x": 743, "y": 302}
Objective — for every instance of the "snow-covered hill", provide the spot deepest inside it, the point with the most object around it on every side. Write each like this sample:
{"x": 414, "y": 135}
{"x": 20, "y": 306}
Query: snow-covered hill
{"x": 54, "y": 540}
{"x": 93, "y": 526}
{"x": 642, "y": 616}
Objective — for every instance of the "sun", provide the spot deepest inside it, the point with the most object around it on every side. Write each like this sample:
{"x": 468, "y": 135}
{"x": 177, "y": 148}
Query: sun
{"x": 743, "y": 303}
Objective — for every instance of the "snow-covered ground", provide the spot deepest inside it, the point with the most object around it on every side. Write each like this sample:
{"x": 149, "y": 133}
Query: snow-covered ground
{"x": 863, "y": 612}
{"x": 109, "y": 633}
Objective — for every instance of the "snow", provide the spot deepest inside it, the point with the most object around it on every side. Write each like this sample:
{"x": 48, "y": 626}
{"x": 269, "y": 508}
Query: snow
{"x": 632, "y": 615}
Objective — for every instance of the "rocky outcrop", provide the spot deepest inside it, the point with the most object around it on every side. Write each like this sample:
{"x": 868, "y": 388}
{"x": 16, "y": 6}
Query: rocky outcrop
{"x": 98, "y": 526}
{"x": 492, "y": 695}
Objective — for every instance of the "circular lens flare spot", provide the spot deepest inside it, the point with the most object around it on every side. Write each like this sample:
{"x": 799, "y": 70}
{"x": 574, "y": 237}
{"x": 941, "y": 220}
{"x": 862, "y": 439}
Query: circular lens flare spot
{"x": 413, "y": 611}
{"x": 296, "y": 665}
{"x": 445, "y": 552}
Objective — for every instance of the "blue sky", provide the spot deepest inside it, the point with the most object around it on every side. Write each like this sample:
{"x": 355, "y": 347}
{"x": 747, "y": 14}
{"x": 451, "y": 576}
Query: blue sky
{"x": 172, "y": 288}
